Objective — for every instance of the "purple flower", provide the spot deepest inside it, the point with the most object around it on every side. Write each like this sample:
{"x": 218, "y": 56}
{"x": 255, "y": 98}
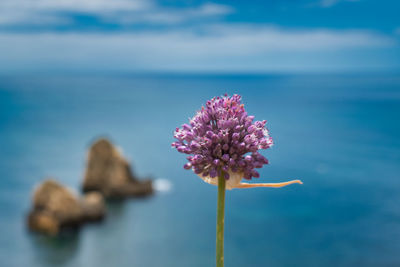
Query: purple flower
{"x": 220, "y": 136}
{"x": 223, "y": 139}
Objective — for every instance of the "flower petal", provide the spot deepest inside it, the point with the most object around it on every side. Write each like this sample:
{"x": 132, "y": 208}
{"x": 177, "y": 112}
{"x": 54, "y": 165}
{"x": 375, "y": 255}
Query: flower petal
{"x": 275, "y": 185}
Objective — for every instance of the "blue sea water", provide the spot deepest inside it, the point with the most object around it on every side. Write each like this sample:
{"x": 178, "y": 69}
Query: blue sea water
{"x": 340, "y": 134}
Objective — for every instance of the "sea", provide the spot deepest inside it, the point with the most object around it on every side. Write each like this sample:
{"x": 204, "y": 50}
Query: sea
{"x": 338, "y": 133}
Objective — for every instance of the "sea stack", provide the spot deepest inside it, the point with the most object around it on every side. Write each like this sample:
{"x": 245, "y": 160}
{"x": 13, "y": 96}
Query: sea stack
{"x": 55, "y": 208}
{"x": 109, "y": 173}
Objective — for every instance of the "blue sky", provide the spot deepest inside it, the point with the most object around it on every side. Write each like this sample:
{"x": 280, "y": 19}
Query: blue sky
{"x": 200, "y": 36}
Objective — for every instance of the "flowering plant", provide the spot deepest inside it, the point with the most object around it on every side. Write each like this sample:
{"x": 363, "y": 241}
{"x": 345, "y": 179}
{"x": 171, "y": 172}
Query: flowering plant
{"x": 223, "y": 142}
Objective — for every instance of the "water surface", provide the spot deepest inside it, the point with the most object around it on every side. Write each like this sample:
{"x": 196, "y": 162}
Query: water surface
{"x": 338, "y": 133}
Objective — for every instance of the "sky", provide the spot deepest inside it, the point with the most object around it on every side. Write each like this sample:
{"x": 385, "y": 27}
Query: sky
{"x": 200, "y": 36}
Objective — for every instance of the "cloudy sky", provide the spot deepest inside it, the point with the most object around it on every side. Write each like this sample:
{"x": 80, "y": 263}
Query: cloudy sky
{"x": 200, "y": 36}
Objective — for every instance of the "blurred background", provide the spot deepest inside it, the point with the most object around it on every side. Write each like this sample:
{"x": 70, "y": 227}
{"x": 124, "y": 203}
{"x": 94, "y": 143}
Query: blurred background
{"x": 325, "y": 74}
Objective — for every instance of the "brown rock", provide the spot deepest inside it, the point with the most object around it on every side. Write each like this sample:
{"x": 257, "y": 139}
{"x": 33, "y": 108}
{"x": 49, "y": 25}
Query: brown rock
{"x": 58, "y": 201}
{"x": 110, "y": 174}
{"x": 55, "y": 208}
{"x": 43, "y": 222}
{"x": 93, "y": 206}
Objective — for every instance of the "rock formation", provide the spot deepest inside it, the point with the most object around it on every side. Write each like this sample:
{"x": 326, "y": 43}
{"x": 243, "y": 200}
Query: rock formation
{"x": 110, "y": 174}
{"x": 93, "y": 206}
{"x": 55, "y": 208}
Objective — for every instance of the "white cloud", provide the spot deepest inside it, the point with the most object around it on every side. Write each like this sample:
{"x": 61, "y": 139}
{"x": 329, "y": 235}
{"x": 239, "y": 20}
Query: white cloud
{"x": 54, "y": 12}
{"x": 74, "y": 5}
{"x": 220, "y": 47}
{"x": 172, "y": 16}
{"x": 268, "y": 38}
{"x": 48, "y": 12}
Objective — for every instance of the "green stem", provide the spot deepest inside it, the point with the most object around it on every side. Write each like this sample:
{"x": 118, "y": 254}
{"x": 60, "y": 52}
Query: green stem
{"x": 220, "y": 220}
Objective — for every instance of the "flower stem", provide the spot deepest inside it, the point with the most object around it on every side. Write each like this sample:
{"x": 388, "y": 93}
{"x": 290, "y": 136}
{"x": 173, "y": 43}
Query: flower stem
{"x": 220, "y": 220}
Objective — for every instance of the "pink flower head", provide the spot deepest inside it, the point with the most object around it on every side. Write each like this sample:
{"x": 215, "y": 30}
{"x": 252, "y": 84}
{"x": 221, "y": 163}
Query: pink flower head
{"x": 222, "y": 139}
